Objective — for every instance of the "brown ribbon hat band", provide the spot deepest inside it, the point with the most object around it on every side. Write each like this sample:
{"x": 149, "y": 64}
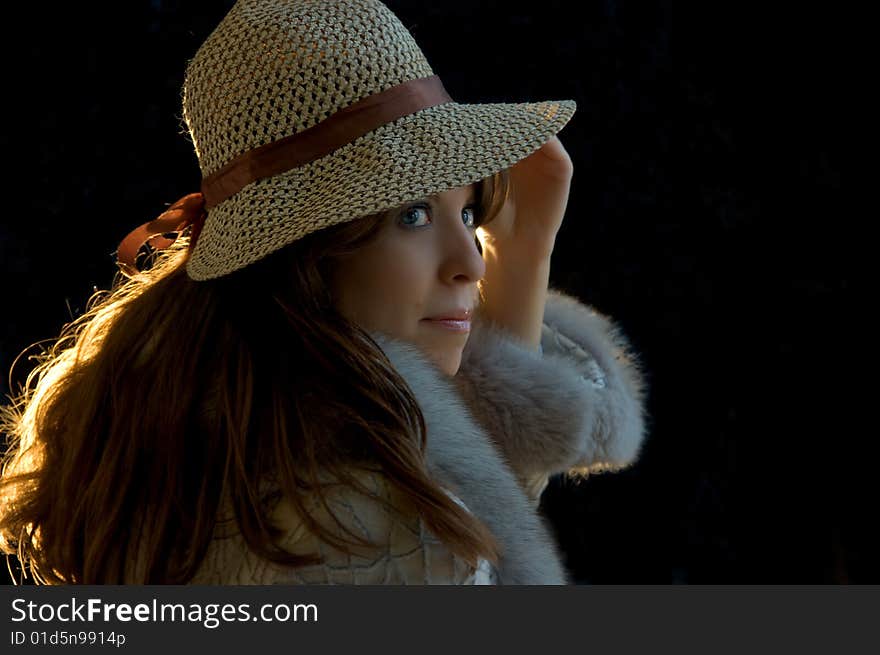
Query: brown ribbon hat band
{"x": 274, "y": 158}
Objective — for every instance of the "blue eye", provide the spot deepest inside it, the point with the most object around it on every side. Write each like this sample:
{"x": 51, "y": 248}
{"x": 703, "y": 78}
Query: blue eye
{"x": 409, "y": 212}
{"x": 412, "y": 211}
{"x": 473, "y": 221}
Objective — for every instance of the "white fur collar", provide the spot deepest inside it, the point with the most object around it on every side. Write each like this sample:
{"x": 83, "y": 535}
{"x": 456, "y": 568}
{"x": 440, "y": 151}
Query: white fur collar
{"x": 511, "y": 413}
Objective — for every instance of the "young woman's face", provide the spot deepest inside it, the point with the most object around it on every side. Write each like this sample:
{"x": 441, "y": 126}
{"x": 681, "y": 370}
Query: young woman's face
{"x": 423, "y": 264}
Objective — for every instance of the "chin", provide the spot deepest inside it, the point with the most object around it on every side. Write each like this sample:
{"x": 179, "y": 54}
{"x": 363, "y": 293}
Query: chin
{"x": 447, "y": 362}
{"x": 450, "y": 365}
{"x": 447, "y": 359}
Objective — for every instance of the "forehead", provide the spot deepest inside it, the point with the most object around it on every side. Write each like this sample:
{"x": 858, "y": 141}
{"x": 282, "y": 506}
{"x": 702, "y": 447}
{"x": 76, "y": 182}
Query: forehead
{"x": 469, "y": 191}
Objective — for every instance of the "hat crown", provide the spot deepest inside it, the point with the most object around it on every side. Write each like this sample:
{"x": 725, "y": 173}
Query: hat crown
{"x": 273, "y": 68}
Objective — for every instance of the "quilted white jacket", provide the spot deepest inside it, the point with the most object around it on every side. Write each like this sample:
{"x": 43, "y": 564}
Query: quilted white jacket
{"x": 507, "y": 421}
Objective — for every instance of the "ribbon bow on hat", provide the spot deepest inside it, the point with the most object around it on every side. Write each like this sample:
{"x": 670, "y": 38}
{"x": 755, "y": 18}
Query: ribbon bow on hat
{"x": 188, "y": 211}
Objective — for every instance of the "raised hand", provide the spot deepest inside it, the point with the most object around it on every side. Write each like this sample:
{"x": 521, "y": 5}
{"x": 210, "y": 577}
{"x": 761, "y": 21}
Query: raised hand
{"x": 528, "y": 222}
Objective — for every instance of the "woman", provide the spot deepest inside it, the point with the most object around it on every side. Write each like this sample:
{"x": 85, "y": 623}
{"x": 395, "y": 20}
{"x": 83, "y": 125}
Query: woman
{"x": 327, "y": 377}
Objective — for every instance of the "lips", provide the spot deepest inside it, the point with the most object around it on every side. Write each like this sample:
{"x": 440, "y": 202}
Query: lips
{"x": 454, "y": 315}
{"x": 455, "y": 320}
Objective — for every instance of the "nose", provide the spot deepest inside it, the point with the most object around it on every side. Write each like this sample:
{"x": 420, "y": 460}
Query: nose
{"x": 462, "y": 260}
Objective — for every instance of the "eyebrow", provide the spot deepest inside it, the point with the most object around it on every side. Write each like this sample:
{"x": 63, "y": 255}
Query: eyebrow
{"x": 434, "y": 196}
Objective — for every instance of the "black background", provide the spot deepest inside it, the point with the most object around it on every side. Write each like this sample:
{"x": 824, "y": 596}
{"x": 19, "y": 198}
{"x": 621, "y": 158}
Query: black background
{"x": 709, "y": 214}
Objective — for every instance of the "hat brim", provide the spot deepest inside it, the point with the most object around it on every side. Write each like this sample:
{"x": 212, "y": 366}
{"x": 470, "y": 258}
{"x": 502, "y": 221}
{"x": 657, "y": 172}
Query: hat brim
{"x": 428, "y": 152}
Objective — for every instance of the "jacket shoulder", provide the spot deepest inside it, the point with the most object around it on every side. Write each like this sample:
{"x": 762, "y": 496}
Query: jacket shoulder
{"x": 404, "y": 551}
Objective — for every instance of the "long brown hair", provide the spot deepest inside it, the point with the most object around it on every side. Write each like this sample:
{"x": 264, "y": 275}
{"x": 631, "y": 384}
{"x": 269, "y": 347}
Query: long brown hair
{"x": 168, "y": 394}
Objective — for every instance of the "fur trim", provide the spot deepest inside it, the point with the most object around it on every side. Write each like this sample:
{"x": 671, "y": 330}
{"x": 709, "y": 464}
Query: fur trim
{"x": 511, "y": 415}
{"x": 578, "y": 407}
{"x": 581, "y": 334}
{"x": 461, "y": 457}
{"x": 524, "y": 401}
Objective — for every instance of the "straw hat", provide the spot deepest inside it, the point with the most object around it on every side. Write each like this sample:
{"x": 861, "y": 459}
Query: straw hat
{"x": 308, "y": 113}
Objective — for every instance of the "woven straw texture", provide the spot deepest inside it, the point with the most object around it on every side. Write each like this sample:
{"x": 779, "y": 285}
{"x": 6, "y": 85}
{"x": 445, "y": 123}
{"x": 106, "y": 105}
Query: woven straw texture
{"x": 273, "y": 68}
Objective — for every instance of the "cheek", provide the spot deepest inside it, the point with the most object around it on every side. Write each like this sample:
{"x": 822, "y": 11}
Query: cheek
{"x": 378, "y": 285}
{"x": 399, "y": 281}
